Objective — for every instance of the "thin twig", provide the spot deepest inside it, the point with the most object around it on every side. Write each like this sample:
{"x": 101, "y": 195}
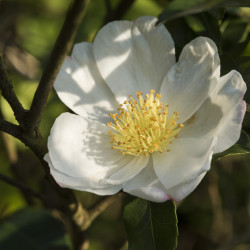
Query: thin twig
{"x": 9, "y": 94}
{"x": 62, "y": 47}
{"x": 98, "y": 208}
{"x": 119, "y": 11}
{"x": 21, "y": 186}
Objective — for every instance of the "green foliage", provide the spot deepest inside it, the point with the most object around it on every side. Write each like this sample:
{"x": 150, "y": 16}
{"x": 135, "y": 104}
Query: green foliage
{"x": 31, "y": 229}
{"x": 248, "y": 107}
{"x": 8, "y": 194}
{"x": 236, "y": 3}
{"x": 180, "y": 8}
{"x": 149, "y": 225}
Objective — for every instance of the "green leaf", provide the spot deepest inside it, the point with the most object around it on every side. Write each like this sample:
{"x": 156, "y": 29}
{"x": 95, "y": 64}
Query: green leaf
{"x": 32, "y": 229}
{"x": 241, "y": 147}
{"x": 248, "y": 107}
{"x": 217, "y": 13}
{"x": 149, "y": 225}
{"x": 181, "y": 34}
{"x": 211, "y": 25}
{"x": 233, "y": 33}
{"x": 180, "y": 8}
{"x": 237, "y": 3}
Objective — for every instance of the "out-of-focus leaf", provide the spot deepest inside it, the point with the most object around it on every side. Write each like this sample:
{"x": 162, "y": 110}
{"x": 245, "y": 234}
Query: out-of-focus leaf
{"x": 237, "y": 3}
{"x": 212, "y": 28}
{"x": 241, "y": 147}
{"x": 185, "y": 29}
{"x": 149, "y": 225}
{"x": 237, "y": 55}
{"x": 248, "y": 107}
{"x": 233, "y": 33}
{"x": 217, "y": 13}
{"x": 163, "y": 3}
{"x": 181, "y": 33}
{"x": 180, "y": 8}
{"x": 236, "y": 49}
{"x": 32, "y": 229}
{"x": 195, "y": 24}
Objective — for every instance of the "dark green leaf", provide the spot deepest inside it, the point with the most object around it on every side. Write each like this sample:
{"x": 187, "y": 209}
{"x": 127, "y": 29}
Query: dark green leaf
{"x": 241, "y": 147}
{"x": 163, "y": 3}
{"x": 211, "y": 27}
{"x": 233, "y": 33}
{"x": 248, "y": 107}
{"x": 181, "y": 33}
{"x": 149, "y": 225}
{"x": 32, "y": 229}
{"x": 217, "y": 13}
{"x": 237, "y": 3}
{"x": 180, "y": 8}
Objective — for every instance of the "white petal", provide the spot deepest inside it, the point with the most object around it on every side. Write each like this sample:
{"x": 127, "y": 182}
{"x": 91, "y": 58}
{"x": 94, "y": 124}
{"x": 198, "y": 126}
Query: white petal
{"x": 134, "y": 55}
{"x": 182, "y": 190}
{"x": 221, "y": 114}
{"x": 204, "y": 122}
{"x": 146, "y": 185}
{"x": 80, "y": 85}
{"x": 193, "y": 78}
{"x": 188, "y": 158}
{"x": 229, "y": 131}
{"x": 229, "y": 97}
{"x": 82, "y": 184}
{"x": 80, "y": 148}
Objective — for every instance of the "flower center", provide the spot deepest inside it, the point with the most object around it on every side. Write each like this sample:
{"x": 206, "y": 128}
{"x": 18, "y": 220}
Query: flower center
{"x": 143, "y": 126}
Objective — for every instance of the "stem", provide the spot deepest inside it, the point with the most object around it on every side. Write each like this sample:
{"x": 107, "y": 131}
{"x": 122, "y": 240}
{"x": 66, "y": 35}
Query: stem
{"x": 21, "y": 186}
{"x": 9, "y": 94}
{"x": 62, "y": 47}
{"x": 10, "y": 129}
{"x": 98, "y": 208}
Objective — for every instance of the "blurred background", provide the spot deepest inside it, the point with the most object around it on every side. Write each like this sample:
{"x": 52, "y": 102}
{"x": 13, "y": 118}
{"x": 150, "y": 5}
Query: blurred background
{"x": 215, "y": 216}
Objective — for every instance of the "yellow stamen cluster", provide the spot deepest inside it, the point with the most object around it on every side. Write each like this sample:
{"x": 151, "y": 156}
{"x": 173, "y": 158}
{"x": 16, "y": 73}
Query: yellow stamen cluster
{"x": 143, "y": 126}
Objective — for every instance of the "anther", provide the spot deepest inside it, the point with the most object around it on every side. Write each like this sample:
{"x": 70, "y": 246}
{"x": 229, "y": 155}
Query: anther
{"x": 143, "y": 126}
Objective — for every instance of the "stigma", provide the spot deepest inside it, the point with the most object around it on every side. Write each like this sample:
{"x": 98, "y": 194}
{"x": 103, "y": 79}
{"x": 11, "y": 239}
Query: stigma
{"x": 143, "y": 125}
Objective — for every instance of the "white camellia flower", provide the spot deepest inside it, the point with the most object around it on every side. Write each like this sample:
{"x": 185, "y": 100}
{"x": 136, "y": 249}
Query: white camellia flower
{"x": 144, "y": 123}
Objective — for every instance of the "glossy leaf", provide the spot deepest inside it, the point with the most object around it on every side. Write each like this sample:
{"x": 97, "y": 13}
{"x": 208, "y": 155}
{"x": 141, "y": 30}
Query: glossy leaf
{"x": 32, "y": 229}
{"x": 241, "y": 147}
{"x": 149, "y": 225}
